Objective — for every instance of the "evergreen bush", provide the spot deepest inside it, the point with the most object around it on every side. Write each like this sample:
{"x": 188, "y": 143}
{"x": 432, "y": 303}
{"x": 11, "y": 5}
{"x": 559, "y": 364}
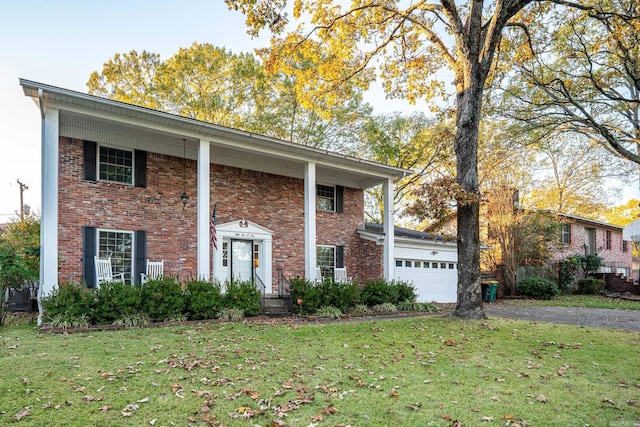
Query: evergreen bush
{"x": 590, "y": 286}
{"x": 116, "y": 300}
{"x": 203, "y": 300}
{"x": 342, "y": 296}
{"x": 306, "y": 296}
{"x": 70, "y": 301}
{"x": 244, "y": 296}
{"x": 162, "y": 299}
{"x": 538, "y": 288}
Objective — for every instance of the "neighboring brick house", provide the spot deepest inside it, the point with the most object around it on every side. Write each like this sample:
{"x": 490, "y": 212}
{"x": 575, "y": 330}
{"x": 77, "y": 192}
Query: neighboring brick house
{"x": 113, "y": 175}
{"x": 582, "y": 236}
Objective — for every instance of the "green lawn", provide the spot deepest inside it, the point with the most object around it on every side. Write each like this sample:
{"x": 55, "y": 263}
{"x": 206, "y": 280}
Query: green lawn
{"x": 426, "y": 371}
{"x": 593, "y": 301}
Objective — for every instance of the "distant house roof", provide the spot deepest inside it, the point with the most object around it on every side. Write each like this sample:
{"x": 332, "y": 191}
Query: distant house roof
{"x": 580, "y": 219}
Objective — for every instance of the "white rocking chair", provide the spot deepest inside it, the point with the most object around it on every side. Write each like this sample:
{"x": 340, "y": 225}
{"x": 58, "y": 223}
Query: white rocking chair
{"x": 340, "y": 275}
{"x": 104, "y": 272}
{"x": 154, "y": 271}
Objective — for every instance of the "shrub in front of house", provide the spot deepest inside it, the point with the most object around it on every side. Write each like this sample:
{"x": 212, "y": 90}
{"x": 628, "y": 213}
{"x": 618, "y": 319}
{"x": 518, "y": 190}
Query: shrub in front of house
{"x": 116, "y": 301}
{"x": 70, "y": 301}
{"x": 203, "y": 300}
{"x": 590, "y": 286}
{"x": 379, "y": 291}
{"x": 306, "y": 296}
{"x": 538, "y": 288}
{"x": 342, "y": 296}
{"x": 244, "y": 296}
{"x": 162, "y": 299}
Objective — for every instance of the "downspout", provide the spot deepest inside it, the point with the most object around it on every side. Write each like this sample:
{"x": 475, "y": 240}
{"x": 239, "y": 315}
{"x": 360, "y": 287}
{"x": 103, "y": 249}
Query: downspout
{"x": 39, "y": 296}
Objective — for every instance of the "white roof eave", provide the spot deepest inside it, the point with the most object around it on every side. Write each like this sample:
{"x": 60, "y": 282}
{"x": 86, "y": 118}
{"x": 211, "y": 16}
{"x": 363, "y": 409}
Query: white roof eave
{"x": 68, "y": 100}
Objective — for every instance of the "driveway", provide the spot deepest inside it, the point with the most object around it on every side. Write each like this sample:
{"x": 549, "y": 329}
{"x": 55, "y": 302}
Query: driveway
{"x": 598, "y": 317}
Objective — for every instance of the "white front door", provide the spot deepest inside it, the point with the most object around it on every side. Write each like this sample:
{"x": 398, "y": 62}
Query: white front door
{"x": 241, "y": 260}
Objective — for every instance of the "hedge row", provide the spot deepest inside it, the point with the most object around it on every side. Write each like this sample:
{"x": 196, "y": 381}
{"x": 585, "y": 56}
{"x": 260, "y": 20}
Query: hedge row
{"x": 309, "y": 297}
{"x": 157, "y": 300}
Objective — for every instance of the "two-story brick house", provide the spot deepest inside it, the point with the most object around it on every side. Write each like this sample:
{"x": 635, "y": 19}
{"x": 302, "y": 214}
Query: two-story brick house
{"x": 113, "y": 175}
{"x": 582, "y": 236}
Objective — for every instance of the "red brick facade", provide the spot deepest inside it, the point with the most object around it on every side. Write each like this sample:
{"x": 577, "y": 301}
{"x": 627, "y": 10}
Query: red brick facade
{"x": 274, "y": 202}
{"x": 613, "y": 256}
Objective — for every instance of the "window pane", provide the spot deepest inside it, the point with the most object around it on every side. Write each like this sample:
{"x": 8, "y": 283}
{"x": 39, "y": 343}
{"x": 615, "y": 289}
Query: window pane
{"x": 326, "y": 260}
{"x": 116, "y": 165}
{"x": 407, "y": 263}
{"x": 398, "y": 263}
{"x": 434, "y": 265}
{"x": 225, "y": 254}
{"x": 426, "y": 264}
{"x": 325, "y": 196}
{"x": 118, "y": 246}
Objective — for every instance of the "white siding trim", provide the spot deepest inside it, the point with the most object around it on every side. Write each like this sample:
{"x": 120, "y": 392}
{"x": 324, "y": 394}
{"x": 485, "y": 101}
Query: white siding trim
{"x": 389, "y": 231}
{"x": 49, "y": 222}
{"x": 310, "y": 252}
{"x": 203, "y": 195}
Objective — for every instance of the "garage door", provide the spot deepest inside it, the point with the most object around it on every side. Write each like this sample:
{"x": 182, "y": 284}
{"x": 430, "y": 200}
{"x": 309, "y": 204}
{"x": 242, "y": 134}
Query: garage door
{"x": 434, "y": 281}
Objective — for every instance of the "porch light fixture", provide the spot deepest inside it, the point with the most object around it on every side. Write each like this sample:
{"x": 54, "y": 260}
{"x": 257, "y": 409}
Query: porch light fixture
{"x": 184, "y": 197}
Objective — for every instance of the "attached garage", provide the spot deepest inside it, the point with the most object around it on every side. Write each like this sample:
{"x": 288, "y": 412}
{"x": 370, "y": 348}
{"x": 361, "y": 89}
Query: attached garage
{"x": 426, "y": 260}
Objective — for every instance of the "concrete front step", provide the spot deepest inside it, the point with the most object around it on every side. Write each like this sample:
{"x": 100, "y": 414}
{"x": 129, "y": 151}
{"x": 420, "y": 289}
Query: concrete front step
{"x": 275, "y": 306}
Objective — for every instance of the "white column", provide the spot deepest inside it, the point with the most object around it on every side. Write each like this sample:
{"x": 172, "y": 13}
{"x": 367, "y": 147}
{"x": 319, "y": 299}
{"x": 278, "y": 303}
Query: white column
{"x": 49, "y": 220}
{"x": 310, "y": 221}
{"x": 267, "y": 261}
{"x": 203, "y": 195}
{"x": 389, "y": 235}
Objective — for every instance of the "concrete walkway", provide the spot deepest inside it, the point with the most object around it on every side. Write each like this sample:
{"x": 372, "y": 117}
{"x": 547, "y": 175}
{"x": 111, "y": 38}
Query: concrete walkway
{"x": 598, "y": 317}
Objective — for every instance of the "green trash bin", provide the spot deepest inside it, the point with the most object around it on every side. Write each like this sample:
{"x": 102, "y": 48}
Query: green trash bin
{"x": 486, "y": 292}
{"x": 492, "y": 291}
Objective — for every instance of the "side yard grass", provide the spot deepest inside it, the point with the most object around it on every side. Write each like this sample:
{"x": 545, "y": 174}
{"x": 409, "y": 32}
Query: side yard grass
{"x": 592, "y": 301}
{"x": 428, "y": 371}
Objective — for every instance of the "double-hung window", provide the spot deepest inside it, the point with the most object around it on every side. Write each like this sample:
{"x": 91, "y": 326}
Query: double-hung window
{"x": 565, "y": 234}
{"x": 326, "y": 259}
{"x": 117, "y": 245}
{"x": 325, "y": 197}
{"x": 115, "y": 165}
{"x": 607, "y": 239}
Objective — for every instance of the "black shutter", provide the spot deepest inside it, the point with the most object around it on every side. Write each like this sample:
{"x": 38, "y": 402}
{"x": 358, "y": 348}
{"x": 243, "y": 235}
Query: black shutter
{"x": 88, "y": 252}
{"x": 140, "y": 178}
{"x": 339, "y": 198}
{"x": 90, "y": 159}
{"x": 340, "y": 256}
{"x": 140, "y": 263}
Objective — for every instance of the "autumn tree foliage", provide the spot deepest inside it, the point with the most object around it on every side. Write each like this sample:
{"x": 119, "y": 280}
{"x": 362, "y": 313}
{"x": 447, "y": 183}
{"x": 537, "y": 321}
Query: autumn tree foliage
{"x": 406, "y": 45}
{"x": 582, "y": 75}
{"x": 212, "y": 84}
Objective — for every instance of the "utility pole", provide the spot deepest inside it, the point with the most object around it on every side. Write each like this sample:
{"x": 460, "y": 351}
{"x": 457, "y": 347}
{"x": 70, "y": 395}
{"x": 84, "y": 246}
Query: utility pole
{"x": 22, "y": 188}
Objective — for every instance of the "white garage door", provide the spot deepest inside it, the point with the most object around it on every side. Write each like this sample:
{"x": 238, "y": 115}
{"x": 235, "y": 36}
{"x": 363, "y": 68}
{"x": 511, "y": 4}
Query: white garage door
{"x": 434, "y": 281}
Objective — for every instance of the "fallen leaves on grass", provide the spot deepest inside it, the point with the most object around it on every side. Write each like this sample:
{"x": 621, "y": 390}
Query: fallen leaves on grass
{"x": 24, "y": 413}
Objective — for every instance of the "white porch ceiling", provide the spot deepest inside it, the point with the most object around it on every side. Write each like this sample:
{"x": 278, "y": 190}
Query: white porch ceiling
{"x": 109, "y": 122}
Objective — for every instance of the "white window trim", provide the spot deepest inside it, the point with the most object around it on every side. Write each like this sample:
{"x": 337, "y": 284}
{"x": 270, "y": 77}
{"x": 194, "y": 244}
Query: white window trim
{"x": 133, "y": 245}
{"x": 133, "y": 164}
{"x": 319, "y": 197}
{"x": 334, "y": 253}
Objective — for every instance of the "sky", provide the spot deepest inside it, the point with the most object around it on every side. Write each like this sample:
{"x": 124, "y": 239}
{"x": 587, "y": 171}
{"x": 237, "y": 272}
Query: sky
{"x": 62, "y": 42}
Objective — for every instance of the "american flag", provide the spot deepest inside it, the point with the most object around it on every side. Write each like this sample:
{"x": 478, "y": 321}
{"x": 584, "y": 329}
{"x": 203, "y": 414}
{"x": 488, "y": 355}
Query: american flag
{"x": 212, "y": 229}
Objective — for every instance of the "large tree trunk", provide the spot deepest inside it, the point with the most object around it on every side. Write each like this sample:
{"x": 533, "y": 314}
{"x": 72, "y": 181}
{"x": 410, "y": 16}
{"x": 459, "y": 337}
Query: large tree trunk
{"x": 466, "y": 146}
